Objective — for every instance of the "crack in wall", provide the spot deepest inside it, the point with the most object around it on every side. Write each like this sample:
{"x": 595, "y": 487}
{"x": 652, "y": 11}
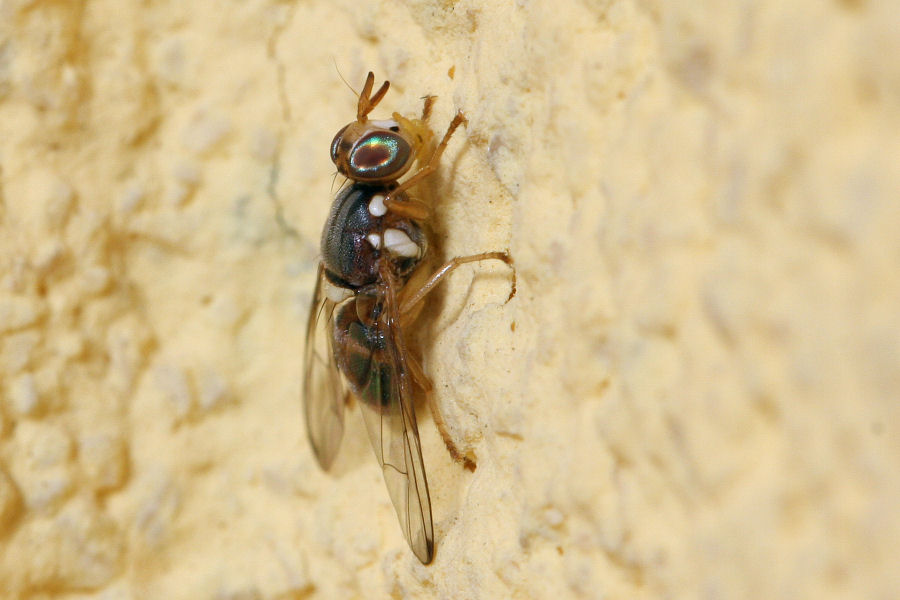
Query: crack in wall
{"x": 272, "y": 186}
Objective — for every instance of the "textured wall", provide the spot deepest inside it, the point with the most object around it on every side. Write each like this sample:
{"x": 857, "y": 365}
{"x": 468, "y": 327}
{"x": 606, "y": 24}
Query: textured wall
{"x": 693, "y": 395}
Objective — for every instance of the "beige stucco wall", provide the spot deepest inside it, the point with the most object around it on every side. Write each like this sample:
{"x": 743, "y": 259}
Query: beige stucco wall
{"x": 694, "y": 393}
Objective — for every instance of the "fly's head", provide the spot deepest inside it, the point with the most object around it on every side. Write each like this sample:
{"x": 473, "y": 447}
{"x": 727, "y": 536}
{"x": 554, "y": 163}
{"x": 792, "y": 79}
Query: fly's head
{"x": 372, "y": 151}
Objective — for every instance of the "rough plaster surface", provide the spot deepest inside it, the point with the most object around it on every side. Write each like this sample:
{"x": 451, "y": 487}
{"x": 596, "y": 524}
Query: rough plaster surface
{"x": 693, "y": 395}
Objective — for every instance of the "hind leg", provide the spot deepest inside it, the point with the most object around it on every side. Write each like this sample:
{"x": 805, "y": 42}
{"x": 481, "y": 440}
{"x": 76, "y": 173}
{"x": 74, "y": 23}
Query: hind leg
{"x": 422, "y": 380}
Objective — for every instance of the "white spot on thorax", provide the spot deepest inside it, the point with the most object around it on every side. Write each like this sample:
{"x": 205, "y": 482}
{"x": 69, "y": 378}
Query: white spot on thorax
{"x": 334, "y": 293}
{"x": 397, "y": 242}
{"x": 376, "y": 206}
{"x": 375, "y": 240}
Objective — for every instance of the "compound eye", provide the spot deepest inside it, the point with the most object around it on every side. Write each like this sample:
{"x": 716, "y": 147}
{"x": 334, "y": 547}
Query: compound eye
{"x": 336, "y": 143}
{"x": 380, "y": 155}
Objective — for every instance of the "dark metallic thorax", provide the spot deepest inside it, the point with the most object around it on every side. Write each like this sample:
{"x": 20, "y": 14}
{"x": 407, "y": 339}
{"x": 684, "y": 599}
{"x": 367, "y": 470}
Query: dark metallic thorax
{"x": 348, "y": 254}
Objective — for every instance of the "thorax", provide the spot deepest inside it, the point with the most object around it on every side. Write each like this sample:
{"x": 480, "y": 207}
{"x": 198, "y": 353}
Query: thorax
{"x": 360, "y": 232}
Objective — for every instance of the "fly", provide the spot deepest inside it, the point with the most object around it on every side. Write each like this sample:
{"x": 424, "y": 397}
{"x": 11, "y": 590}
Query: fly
{"x": 372, "y": 242}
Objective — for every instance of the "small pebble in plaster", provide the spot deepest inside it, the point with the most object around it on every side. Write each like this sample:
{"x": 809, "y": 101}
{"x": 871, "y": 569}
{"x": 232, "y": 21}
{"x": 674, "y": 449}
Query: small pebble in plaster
{"x": 288, "y": 478}
{"x": 17, "y": 312}
{"x": 95, "y": 280}
{"x": 276, "y": 572}
{"x": 17, "y": 350}
{"x": 44, "y": 200}
{"x": 17, "y": 275}
{"x": 81, "y": 548}
{"x": 263, "y": 145}
{"x": 127, "y": 342}
{"x": 250, "y": 220}
{"x": 69, "y": 345}
{"x": 47, "y": 382}
{"x": 23, "y": 399}
{"x": 296, "y": 267}
{"x": 6, "y": 59}
{"x": 159, "y": 502}
{"x": 178, "y": 194}
{"x": 47, "y": 256}
{"x": 505, "y": 160}
{"x": 173, "y": 382}
{"x": 41, "y": 445}
{"x": 553, "y": 517}
{"x": 213, "y": 391}
{"x": 40, "y": 465}
{"x": 187, "y": 178}
{"x": 205, "y": 132}
{"x": 187, "y": 173}
{"x": 10, "y": 502}
{"x": 132, "y": 198}
{"x": 45, "y": 491}
{"x": 292, "y": 577}
{"x": 58, "y": 202}
{"x": 240, "y": 590}
{"x": 225, "y": 311}
{"x": 104, "y": 460}
{"x": 70, "y": 78}
{"x": 724, "y": 304}
{"x": 171, "y": 63}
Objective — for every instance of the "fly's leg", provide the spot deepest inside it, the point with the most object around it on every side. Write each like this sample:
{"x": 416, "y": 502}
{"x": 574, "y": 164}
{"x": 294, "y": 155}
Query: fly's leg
{"x": 409, "y": 209}
{"x": 408, "y": 312}
{"x": 409, "y": 301}
{"x": 418, "y": 374}
{"x": 422, "y": 380}
{"x": 428, "y": 169}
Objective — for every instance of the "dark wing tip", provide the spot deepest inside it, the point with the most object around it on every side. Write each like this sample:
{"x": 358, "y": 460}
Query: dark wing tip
{"x": 426, "y": 554}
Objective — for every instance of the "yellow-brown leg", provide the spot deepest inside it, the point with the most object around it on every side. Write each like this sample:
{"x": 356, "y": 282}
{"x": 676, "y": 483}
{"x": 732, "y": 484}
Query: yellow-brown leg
{"x": 409, "y": 208}
{"x": 409, "y": 300}
{"x": 422, "y": 380}
{"x": 418, "y": 374}
{"x": 428, "y": 169}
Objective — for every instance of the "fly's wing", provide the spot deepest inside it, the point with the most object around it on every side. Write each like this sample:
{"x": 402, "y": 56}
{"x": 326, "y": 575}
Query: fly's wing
{"x": 323, "y": 390}
{"x": 387, "y": 408}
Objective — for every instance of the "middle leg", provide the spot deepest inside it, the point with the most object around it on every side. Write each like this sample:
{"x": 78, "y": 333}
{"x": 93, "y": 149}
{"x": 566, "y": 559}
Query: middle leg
{"x": 430, "y": 168}
{"x": 408, "y": 301}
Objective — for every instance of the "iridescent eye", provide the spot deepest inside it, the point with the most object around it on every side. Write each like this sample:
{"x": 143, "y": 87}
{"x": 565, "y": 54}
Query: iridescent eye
{"x": 379, "y": 155}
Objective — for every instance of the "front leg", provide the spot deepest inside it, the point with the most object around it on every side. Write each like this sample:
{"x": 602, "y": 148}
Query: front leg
{"x": 428, "y": 169}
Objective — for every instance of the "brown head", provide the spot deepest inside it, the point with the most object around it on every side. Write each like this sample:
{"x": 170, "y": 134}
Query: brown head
{"x": 374, "y": 151}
